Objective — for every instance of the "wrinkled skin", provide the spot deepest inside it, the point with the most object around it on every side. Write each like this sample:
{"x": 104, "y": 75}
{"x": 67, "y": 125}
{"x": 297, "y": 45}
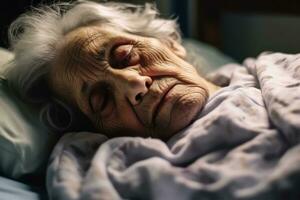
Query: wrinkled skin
{"x": 128, "y": 84}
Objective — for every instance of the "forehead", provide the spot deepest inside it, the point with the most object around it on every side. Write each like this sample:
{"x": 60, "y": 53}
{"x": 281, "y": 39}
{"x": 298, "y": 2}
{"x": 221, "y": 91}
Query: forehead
{"x": 82, "y": 35}
{"x": 82, "y": 45}
{"x": 80, "y": 40}
{"x": 76, "y": 49}
{"x": 85, "y": 35}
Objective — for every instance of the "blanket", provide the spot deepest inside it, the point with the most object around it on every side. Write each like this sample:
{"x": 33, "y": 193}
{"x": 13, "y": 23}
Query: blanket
{"x": 245, "y": 144}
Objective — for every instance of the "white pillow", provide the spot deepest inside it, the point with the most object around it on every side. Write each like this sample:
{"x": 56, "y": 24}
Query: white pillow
{"x": 5, "y": 57}
{"x": 25, "y": 143}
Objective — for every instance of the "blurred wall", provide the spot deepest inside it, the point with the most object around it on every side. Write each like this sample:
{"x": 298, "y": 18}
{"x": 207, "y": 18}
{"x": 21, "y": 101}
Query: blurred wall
{"x": 9, "y": 11}
{"x": 245, "y": 35}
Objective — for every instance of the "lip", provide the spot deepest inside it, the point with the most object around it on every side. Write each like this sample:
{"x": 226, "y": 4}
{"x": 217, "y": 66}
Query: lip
{"x": 148, "y": 110}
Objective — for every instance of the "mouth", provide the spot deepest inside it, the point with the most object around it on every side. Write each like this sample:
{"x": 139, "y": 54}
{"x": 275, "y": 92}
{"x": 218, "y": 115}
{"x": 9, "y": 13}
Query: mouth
{"x": 154, "y": 102}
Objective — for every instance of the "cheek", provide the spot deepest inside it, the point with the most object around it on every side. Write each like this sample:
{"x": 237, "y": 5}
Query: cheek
{"x": 121, "y": 122}
{"x": 188, "y": 104}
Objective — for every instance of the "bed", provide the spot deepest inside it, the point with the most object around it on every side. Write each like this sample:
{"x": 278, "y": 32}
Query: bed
{"x": 26, "y": 145}
{"x": 245, "y": 144}
{"x": 16, "y": 190}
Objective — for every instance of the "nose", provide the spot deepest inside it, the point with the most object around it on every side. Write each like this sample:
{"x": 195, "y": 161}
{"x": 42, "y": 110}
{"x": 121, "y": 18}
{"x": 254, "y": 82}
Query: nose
{"x": 134, "y": 86}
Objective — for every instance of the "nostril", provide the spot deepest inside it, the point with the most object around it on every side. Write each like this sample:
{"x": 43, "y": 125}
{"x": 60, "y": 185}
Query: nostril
{"x": 147, "y": 84}
{"x": 138, "y": 97}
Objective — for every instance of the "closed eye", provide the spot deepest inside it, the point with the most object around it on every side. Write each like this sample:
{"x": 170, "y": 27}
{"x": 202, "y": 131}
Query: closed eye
{"x": 99, "y": 98}
{"x": 124, "y": 56}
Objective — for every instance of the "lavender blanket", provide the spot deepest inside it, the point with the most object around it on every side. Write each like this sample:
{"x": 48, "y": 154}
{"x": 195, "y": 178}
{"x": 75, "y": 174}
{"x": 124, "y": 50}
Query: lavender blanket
{"x": 245, "y": 144}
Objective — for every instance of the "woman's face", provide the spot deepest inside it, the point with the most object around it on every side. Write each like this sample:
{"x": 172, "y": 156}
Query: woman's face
{"x": 127, "y": 84}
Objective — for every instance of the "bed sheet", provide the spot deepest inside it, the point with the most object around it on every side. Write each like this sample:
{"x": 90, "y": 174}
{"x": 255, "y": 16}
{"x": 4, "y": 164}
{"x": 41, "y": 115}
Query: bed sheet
{"x": 14, "y": 190}
{"x": 244, "y": 145}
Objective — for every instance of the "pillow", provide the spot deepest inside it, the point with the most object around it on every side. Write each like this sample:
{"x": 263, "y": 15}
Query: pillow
{"x": 14, "y": 190}
{"x": 5, "y": 56}
{"x": 204, "y": 57}
{"x": 25, "y": 143}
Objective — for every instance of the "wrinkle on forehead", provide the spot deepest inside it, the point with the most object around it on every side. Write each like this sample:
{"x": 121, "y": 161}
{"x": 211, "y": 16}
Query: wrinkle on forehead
{"x": 83, "y": 52}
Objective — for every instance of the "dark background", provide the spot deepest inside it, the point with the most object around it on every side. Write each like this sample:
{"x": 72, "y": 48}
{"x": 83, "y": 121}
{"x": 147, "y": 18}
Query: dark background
{"x": 238, "y": 28}
{"x": 9, "y": 11}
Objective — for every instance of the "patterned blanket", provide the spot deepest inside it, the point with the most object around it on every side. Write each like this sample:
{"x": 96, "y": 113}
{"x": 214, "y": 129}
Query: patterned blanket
{"x": 245, "y": 144}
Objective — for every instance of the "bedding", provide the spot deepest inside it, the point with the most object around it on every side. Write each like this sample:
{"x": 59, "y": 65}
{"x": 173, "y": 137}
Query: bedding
{"x": 13, "y": 190}
{"x": 5, "y": 57}
{"x": 245, "y": 144}
{"x": 25, "y": 144}
{"x": 205, "y": 57}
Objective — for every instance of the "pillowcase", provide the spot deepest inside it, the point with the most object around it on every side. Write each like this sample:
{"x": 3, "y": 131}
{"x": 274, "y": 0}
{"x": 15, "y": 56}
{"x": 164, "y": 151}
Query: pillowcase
{"x": 25, "y": 143}
{"x": 5, "y": 56}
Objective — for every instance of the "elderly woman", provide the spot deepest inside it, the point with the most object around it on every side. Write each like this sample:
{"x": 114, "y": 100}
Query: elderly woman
{"x": 119, "y": 70}
{"x": 118, "y": 66}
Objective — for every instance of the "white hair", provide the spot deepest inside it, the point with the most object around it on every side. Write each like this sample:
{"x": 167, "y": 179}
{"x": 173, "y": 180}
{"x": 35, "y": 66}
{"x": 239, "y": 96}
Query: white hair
{"x": 34, "y": 37}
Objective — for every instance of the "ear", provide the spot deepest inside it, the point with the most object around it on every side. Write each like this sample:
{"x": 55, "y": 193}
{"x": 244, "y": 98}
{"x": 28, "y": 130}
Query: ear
{"x": 177, "y": 48}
